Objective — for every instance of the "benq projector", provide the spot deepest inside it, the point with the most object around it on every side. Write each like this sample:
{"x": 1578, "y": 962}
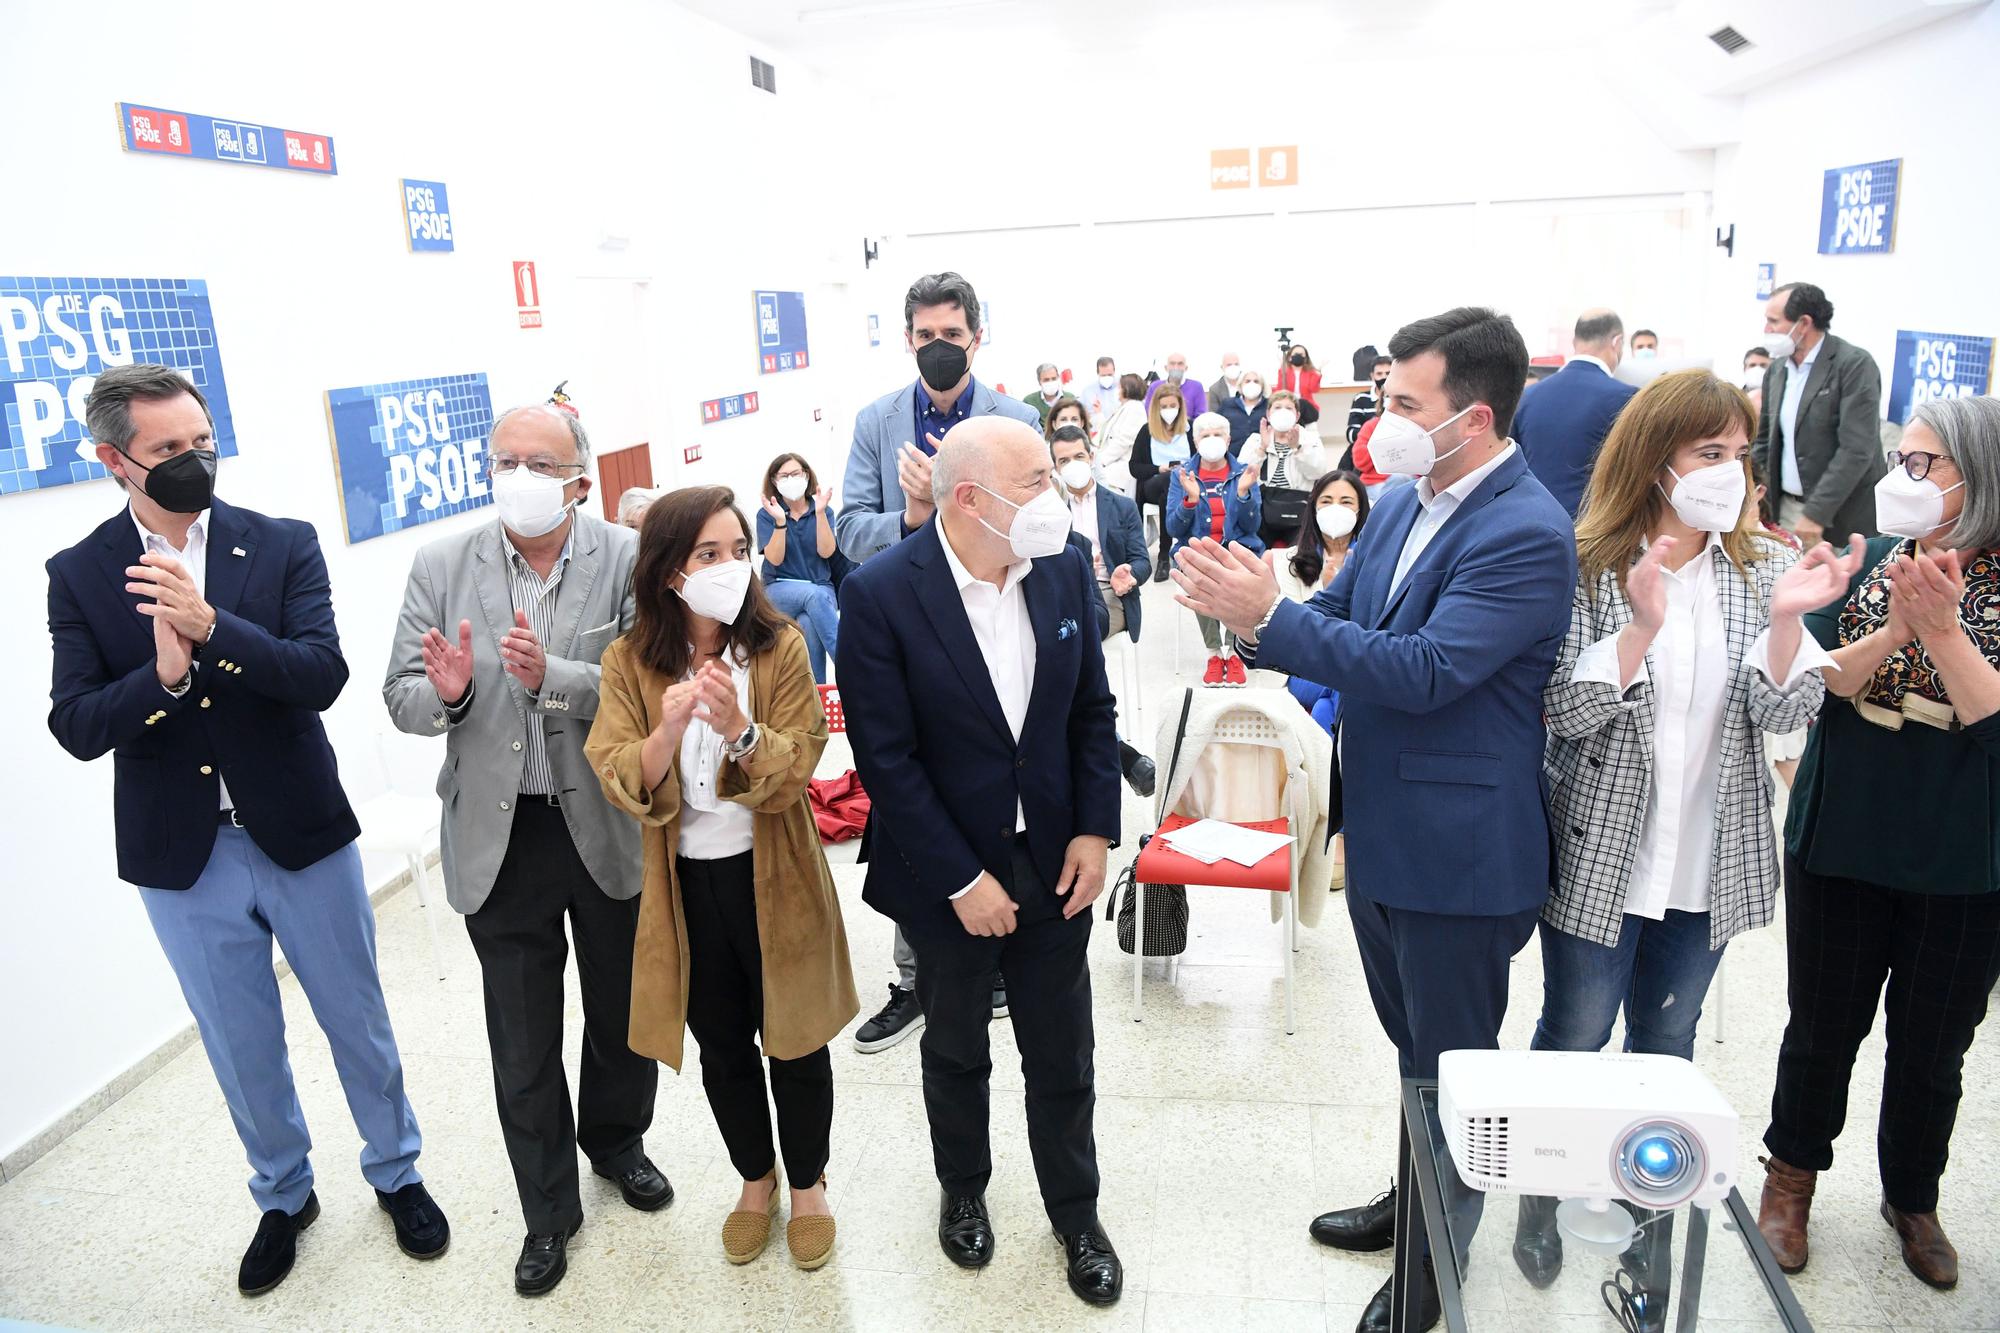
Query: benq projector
{"x": 1650, "y": 1129}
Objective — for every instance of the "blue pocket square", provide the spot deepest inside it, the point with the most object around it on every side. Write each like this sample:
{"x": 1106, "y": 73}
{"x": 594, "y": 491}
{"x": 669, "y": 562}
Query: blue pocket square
{"x": 1066, "y": 628}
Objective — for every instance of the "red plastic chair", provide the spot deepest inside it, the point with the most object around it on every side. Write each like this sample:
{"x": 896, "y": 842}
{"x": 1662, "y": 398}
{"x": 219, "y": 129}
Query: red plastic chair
{"x": 836, "y": 716}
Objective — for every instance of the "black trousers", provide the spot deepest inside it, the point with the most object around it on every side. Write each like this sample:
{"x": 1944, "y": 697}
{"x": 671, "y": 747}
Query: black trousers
{"x": 1153, "y": 491}
{"x": 726, "y": 1012}
{"x": 518, "y": 935}
{"x": 1940, "y": 956}
{"x": 1046, "y": 967}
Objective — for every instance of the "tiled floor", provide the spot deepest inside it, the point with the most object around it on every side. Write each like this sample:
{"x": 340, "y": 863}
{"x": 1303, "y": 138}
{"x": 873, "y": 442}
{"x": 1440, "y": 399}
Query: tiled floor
{"x": 1218, "y": 1135}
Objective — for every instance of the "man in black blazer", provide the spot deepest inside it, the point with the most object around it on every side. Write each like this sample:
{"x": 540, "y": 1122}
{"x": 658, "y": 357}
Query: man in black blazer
{"x": 1819, "y": 426}
{"x": 195, "y": 641}
{"x": 1562, "y": 424}
{"x": 982, "y": 726}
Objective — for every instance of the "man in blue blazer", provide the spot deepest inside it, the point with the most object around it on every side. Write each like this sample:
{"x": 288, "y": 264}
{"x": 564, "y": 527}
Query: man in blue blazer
{"x": 1562, "y": 424}
{"x": 1439, "y": 634}
{"x": 982, "y": 727}
{"x": 195, "y": 641}
{"x": 886, "y": 496}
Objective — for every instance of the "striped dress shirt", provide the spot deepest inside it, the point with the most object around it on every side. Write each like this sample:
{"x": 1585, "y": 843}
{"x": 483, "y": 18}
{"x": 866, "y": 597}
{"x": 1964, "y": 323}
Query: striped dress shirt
{"x": 537, "y": 597}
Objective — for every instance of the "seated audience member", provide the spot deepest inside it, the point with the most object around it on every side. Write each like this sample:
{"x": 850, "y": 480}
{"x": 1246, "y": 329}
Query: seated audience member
{"x": 1889, "y": 841}
{"x": 632, "y": 505}
{"x": 1101, "y": 394}
{"x": 1301, "y": 377}
{"x": 1193, "y": 397}
{"x": 1049, "y": 389}
{"x": 1109, "y": 524}
{"x": 1243, "y": 407}
{"x": 707, "y": 731}
{"x": 1161, "y": 444}
{"x": 1227, "y": 384}
{"x": 1066, "y": 412}
{"x": 795, "y": 535}
{"x": 1288, "y": 457}
{"x": 1676, "y": 666}
{"x": 1756, "y": 364}
{"x": 1115, "y": 431}
{"x": 1214, "y": 495}
{"x": 1365, "y": 404}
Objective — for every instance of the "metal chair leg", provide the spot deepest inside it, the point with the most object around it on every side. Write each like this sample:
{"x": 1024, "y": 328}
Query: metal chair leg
{"x": 422, "y": 882}
{"x": 1720, "y": 991}
{"x": 1292, "y": 930}
{"x": 1138, "y": 948}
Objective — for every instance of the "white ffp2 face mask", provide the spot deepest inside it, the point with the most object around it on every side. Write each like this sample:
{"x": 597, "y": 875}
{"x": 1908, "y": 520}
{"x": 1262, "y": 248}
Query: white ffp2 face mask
{"x": 1212, "y": 448}
{"x": 1284, "y": 419}
{"x": 792, "y": 488}
{"x": 530, "y": 506}
{"x": 1075, "y": 474}
{"x": 1335, "y": 521}
{"x": 718, "y": 591}
{"x": 1402, "y": 448}
{"x": 1906, "y": 507}
{"x": 1040, "y": 527}
{"x": 1169, "y": 415}
{"x": 1710, "y": 499}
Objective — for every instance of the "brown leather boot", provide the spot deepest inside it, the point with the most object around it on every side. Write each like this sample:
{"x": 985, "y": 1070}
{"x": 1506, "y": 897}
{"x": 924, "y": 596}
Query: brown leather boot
{"x": 1926, "y": 1250}
{"x": 1783, "y": 1210}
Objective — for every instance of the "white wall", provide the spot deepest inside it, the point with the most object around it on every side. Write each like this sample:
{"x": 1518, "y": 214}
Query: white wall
{"x": 1928, "y": 97}
{"x": 629, "y": 118}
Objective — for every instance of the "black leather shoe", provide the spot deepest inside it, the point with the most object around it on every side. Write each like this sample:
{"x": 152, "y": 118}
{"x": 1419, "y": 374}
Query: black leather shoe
{"x": 1370, "y": 1227}
{"x": 275, "y": 1245}
{"x": 897, "y": 1020}
{"x": 1094, "y": 1271}
{"x": 1140, "y": 772}
{"x": 1538, "y": 1246}
{"x": 1375, "y": 1319}
{"x": 544, "y": 1260}
{"x": 643, "y": 1186}
{"x": 965, "y": 1231}
{"x": 1160, "y": 574}
{"x": 999, "y": 998}
{"x": 421, "y": 1229}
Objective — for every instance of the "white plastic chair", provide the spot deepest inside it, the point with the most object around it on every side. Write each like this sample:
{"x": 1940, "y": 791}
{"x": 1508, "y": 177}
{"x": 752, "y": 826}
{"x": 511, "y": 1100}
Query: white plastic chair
{"x": 405, "y": 824}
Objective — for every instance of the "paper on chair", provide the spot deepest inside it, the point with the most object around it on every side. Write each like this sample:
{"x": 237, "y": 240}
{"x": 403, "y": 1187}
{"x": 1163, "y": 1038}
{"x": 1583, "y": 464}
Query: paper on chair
{"x": 1212, "y": 840}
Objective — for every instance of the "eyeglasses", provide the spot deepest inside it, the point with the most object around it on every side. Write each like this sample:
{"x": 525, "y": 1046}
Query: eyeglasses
{"x": 1917, "y": 464}
{"x": 500, "y": 465}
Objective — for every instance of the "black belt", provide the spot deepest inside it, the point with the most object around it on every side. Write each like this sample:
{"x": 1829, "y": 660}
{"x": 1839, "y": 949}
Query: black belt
{"x": 539, "y": 799}
{"x": 230, "y": 817}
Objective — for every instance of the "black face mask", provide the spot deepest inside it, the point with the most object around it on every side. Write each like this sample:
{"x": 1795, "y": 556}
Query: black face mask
{"x": 1380, "y": 381}
{"x": 1298, "y": 358}
{"x": 941, "y": 363}
{"x": 184, "y": 484}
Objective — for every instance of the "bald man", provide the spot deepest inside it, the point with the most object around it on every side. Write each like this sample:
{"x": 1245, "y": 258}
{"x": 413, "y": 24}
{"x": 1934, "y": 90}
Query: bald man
{"x": 982, "y": 727}
{"x": 1562, "y": 424}
{"x": 1191, "y": 390}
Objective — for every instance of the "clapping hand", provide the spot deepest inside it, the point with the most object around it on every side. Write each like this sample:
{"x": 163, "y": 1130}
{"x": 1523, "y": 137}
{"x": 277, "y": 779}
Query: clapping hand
{"x": 913, "y": 473}
{"x": 1818, "y": 578}
{"x": 173, "y": 652}
{"x": 449, "y": 667}
{"x": 1192, "y": 485}
{"x": 1646, "y": 588}
{"x": 521, "y": 653}
{"x": 776, "y": 511}
{"x": 715, "y": 701}
{"x": 677, "y": 703}
{"x": 1122, "y": 581}
{"x": 822, "y": 498}
{"x": 166, "y": 581}
{"x": 1230, "y": 584}
{"x": 1927, "y": 592}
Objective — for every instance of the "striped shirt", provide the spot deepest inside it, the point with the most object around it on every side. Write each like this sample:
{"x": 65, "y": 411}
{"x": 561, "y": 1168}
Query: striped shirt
{"x": 537, "y": 597}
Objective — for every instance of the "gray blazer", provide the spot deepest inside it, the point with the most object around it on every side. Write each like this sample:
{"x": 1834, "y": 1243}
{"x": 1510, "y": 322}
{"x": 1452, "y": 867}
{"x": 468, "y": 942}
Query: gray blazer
{"x": 464, "y": 577}
{"x": 1599, "y": 765}
{"x": 871, "y": 501}
{"x": 1839, "y": 438}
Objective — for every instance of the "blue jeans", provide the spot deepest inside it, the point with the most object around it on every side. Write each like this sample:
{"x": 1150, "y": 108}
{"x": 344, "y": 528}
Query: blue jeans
{"x": 817, "y": 611}
{"x": 1659, "y": 971}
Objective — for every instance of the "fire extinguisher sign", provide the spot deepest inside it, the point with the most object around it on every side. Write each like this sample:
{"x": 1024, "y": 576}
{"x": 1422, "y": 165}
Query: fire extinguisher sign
{"x": 527, "y": 294}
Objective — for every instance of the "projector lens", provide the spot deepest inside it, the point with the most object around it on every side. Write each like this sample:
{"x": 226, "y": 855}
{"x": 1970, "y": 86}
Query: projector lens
{"x": 1660, "y": 1165}
{"x": 1657, "y": 1159}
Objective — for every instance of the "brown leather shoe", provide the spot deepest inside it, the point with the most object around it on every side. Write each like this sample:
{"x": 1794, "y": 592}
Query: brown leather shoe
{"x": 1783, "y": 1210}
{"x": 1925, "y": 1249}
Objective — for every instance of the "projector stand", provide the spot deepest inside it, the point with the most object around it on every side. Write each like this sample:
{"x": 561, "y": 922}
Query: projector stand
{"x": 1691, "y": 1265}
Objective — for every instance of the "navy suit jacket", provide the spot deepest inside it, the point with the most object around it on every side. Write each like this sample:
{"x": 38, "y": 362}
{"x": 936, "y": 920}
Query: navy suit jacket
{"x": 1123, "y": 538}
{"x": 1440, "y": 724}
{"x": 941, "y": 768}
{"x": 270, "y": 669}
{"x": 1561, "y": 423}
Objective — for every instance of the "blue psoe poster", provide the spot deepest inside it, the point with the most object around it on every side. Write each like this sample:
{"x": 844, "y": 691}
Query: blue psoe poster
{"x": 781, "y": 332}
{"x": 1857, "y": 208}
{"x": 149, "y": 129}
{"x": 58, "y": 334}
{"x": 1937, "y": 365}
{"x": 409, "y": 452}
{"x": 426, "y": 216}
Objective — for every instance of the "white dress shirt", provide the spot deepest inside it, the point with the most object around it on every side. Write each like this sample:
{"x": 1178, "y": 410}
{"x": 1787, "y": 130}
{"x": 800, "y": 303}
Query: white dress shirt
{"x": 712, "y": 828}
{"x": 1083, "y": 519}
{"x": 193, "y": 559}
{"x": 1438, "y": 507}
{"x": 1597, "y": 361}
{"x": 1688, "y": 665}
{"x": 1788, "y": 417}
{"x": 1006, "y": 640}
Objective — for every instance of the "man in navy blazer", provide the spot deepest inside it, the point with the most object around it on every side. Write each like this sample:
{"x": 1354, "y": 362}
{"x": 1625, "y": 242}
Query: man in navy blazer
{"x": 982, "y": 725}
{"x": 1439, "y": 634}
{"x": 886, "y": 496}
{"x": 195, "y": 641}
{"x": 1562, "y": 424}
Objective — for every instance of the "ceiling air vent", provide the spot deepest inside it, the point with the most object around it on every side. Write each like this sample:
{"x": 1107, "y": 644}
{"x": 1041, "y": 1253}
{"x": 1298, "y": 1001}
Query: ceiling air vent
{"x": 1731, "y": 41}
{"x": 763, "y": 76}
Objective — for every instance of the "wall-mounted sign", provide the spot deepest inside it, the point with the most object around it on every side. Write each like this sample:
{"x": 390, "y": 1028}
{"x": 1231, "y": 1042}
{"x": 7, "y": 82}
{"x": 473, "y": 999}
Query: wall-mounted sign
{"x": 1767, "y": 281}
{"x": 1229, "y": 169}
{"x": 985, "y": 323}
{"x": 691, "y": 454}
{"x": 1278, "y": 166}
{"x": 148, "y": 129}
{"x": 409, "y": 452}
{"x": 1937, "y": 365}
{"x": 727, "y": 409}
{"x": 426, "y": 215}
{"x": 874, "y": 330}
{"x": 527, "y": 294}
{"x": 58, "y": 334}
{"x": 781, "y": 331}
{"x": 1857, "y": 208}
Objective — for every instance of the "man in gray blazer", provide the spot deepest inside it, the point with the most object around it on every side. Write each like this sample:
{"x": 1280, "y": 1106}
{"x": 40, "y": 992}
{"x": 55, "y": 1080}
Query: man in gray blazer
{"x": 1819, "y": 431}
{"x": 887, "y": 496}
{"x": 497, "y": 651}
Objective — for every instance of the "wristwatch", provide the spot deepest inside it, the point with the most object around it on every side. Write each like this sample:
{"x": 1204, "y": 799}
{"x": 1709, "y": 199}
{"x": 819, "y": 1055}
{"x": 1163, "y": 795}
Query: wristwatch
{"x": 742, "y": 744}
{"x": 1264, "y": 624}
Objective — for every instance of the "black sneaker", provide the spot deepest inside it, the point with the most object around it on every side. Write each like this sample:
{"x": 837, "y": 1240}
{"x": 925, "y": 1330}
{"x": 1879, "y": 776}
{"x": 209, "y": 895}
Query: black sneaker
{"x": 897, "y": 1020}
{"x": 999, "y": 998}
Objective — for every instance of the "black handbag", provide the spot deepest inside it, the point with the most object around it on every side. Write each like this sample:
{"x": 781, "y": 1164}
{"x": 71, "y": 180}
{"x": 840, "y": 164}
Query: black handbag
{"x": 1284, "y": 511}
{"x": 1166, "y": 904}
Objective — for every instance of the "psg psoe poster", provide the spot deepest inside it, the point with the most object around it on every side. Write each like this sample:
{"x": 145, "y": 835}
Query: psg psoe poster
{"x": 409, "y": 452}
{"x": 1937, "y": 365}
{"x": 58, "y": 334}
{"x": 199, "y": 138}
{"x": 781, "y": 332}
{"x": 1857, "y": 208}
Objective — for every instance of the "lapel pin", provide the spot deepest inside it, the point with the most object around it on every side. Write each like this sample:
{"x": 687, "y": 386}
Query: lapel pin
{"x": 1066, "y": 628}
{"x": 236, "y": 550}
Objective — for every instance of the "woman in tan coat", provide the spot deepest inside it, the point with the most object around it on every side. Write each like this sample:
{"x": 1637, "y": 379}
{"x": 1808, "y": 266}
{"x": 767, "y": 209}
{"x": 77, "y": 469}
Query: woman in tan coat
{"x": 708, "y": 727}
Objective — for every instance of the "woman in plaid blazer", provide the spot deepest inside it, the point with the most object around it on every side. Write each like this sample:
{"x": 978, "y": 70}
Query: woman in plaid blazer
{"x": 1685, "y": 646}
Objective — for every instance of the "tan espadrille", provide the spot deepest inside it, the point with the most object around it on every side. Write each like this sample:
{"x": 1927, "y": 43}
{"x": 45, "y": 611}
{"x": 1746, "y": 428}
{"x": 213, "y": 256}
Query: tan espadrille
{"x": 810, "y": 1239}
{"x": 745, "y": 1234}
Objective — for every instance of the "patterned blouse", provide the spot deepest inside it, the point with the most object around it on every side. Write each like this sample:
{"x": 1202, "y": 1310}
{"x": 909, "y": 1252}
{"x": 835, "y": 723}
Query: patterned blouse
{"x": 1909, "y": 670}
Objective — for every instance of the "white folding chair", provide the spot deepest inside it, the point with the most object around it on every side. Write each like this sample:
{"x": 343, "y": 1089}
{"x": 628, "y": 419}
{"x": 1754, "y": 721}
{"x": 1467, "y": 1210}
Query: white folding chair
{"x": 405, "y": 824}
